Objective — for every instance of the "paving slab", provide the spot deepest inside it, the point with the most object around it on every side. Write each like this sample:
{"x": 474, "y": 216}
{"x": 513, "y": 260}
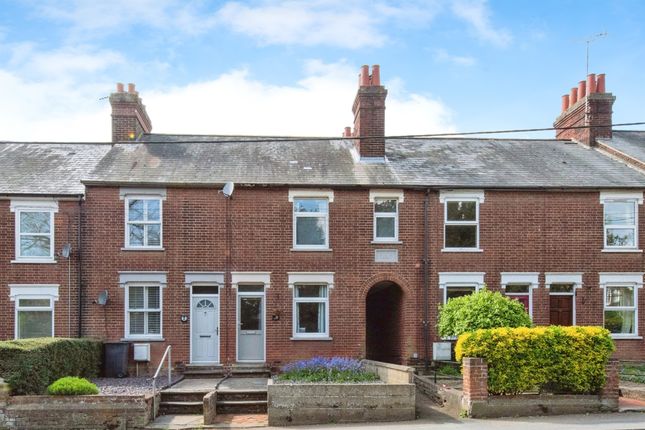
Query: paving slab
{"x": 633, "y": 390}
{"x": 635, "y": 405}
{"x": 243, "y": 384}
{"x": 195, "y": 384}
{"x": 224, "y": 421}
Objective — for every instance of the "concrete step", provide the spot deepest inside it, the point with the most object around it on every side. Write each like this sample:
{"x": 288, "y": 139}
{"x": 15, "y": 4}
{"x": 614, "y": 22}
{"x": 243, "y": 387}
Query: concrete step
{"x": 183, "y": 396}
{"x": 241, "y": 406}
{"x": 181, "y": 408}
{"x": 241, "y": 395}
{"x": 192, "y": 371}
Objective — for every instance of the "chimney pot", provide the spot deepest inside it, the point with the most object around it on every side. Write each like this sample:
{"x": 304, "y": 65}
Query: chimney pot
{"x": 582, "y": 90}
{"x": 591, "y": 83}
{"x": 565, "y": 102}
{"x": 119, "y": 87}
{"x": 347, "y": 132}
{"x": 364, "y": 77}
{"x": 131, "y": 88}
{"x": 376, "y": 75}
{"x": 573, "y": 96}
{"x": 600, "y": 86}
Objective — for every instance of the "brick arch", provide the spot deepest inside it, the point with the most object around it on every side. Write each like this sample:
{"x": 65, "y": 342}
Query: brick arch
{"x": 384, "y": 277}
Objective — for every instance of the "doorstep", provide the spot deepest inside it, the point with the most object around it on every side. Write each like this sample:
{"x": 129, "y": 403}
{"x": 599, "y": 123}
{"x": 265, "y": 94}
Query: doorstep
{"x": 224, "y": 421}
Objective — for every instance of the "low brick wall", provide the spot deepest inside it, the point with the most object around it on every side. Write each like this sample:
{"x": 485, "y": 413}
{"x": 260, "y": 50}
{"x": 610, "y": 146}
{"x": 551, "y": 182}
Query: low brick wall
{"x": 301, "y": 404}
{"x": 75, "y": 412}
{"x": 477, "y": 403}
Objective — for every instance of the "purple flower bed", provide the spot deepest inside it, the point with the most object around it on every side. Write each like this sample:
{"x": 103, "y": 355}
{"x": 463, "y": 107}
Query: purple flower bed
{"x": 323, "y": 369}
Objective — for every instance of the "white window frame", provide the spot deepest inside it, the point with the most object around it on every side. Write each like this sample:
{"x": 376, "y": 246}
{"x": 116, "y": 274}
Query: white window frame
{"x": 324, "y": 279}
{"x": 460, "y": 279}
{"x": 33, "y": 291}
{"x": 521, "y": 278}
{"x": 614, "y": 279}
{"x": 25, "y": 206}
{"x": 636, "y": 198}
{"x": 129, "y": 194}
{"x": 377, "y": 195}
{"x": 310, "y": 195}
{"x": 446, "y": 196}
{"x": 142, "y": 279}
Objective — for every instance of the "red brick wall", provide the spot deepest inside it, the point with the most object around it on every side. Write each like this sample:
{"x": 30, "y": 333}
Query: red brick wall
{"x": 65, "y": 231}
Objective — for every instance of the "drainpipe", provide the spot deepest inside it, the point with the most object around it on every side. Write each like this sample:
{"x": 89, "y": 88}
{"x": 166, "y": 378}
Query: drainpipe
{"x": 426, "y": 268}
{"x": 79, "y": 262}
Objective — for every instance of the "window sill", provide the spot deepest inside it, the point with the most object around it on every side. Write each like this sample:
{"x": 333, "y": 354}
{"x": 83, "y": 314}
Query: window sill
{"x": 462, "y": 250}
{"x": 144, "y": 249}
{"x": 312, "y": 338}
{"x": 622, "y": 251}
{"x": 630, "y": 337}
{"x": 25, "y": 261}
{"x": 311, "y": 249}
{"x": 142, "y": 339}
{"x": 386, "y": 242}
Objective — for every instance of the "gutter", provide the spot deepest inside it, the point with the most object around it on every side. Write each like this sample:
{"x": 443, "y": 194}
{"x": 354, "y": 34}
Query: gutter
{"x": 79, "y": 261}
{"x": 426, "y": 268}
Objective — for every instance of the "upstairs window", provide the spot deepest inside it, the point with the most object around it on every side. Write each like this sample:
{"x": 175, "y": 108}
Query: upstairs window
{"x": 143, "y": 218}
{"x": 311, "y": 219}
{"x": 620, "y": 219}
{"x": 34, "y": 231}
{"x": 461, "y": 220}
{"x": 386, "y": 214}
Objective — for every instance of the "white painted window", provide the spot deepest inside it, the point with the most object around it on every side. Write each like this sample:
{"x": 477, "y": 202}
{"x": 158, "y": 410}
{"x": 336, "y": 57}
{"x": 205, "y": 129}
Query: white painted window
{"x": 386, "y": 214}
{"x": 311, "y": 218}
{"x": 143, "y": 316}
{"x": 461, "y": 219}
{"x": 620, "y": 216}
{"x": 34, "y": 310}
{"x": 458, "y": 284}
{"x": 34, "y": 230}
{"x": 143, "y": 218}
{"x": 621, "y": 303}
{"x": 311, "y": 311}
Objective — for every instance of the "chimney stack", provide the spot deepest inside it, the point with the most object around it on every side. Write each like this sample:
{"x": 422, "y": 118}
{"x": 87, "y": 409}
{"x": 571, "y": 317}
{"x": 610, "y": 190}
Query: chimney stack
{"x": 129, "y": 117}
{"x": 369, "y": 115}
{"x": 588, "y": 107}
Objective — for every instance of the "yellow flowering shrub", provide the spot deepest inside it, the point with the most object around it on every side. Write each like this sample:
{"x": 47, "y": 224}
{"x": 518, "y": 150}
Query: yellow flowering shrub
{"x": 547, "y": 359}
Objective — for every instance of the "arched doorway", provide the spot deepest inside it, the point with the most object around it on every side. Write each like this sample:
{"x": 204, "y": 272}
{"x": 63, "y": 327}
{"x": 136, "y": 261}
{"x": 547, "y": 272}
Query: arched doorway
{"x": 384, "y": 323}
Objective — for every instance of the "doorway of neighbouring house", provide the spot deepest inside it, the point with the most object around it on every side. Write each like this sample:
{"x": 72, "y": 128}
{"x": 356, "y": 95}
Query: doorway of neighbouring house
{"x": 384, "y": 323}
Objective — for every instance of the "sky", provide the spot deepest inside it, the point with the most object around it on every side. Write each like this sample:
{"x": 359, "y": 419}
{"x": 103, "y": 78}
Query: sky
{"x": 269, "y": 67}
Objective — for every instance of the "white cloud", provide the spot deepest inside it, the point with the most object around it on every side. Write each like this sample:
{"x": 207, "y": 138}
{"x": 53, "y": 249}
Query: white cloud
{"x": 231, "y": 103}
{"x": 477, "y": 14}
{"x": 442, "y": 56}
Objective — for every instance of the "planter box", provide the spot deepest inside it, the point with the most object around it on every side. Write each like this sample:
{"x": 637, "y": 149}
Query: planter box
{"x": 67, "y": 412}
{"x": 301, "y": 404}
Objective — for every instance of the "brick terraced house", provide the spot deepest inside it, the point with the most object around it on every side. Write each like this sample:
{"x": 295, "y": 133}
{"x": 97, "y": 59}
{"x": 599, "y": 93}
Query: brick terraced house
{"x": 319, "y": 246}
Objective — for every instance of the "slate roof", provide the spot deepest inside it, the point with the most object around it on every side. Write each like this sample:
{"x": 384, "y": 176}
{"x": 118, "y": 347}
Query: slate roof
{"x": 47, "y": 168}
{"x": 631, "y": 143}
{"x": 455, "y": 163}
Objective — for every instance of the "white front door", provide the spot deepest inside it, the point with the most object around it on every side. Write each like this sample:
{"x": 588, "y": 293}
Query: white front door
{"x": 205, "y": 327}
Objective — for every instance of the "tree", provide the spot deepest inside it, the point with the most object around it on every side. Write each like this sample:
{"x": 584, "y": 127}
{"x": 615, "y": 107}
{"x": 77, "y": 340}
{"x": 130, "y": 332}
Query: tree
{"x": 483, "y": 309}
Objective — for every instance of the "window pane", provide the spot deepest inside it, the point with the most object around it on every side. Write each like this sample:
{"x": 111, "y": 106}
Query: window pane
{"x": 619, "y": 296}
{"x": 34, "y": 324}
{"x": 622, "y": 213}
{"x": 137, "y": 322}
{"x": 310, "y": 230}
{"x": 524, "y": 299}
{"x": 153, "y": 210}
{"x": 517, "y": 288}
{"x": 561, "y": 288}
{"x": 454, "y": 292}
{"x": 385, "y": 206}
{"x": 154, "y": 323}
{"x": 250, "y": 288}
{"x": 462, "y": 211}
{"x": 620, "y": 237}
{"x": 154, "y": 234}
{"x": 136, "y": 234}
{"x": 135, "y": 210}
{"x": 385, "y": 227}
{"x": 310, "y": 317}
{"x": 35, "y": 246}
{"x": 310, "y": 205}
{"x": 622, "y": 322}
{"x": 205, "y": 289}
{"x": 35, "y": 222}
{"x": 461, "y": 236}
{"x": 153, "y": 298}
{"x": 311, "y": 291}
{"x": 33, "y": 303}
{"x": 250, "y": 312}
{"x": 135, "y": 297}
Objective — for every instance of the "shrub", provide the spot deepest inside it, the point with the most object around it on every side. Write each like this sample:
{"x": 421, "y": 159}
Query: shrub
{"x": 30, "y": 365}
{"x": 320, "y": 369}
{"x": 483, "y": 309}
{"x": 72, "y": 386}
{"x": 553, "y": 359}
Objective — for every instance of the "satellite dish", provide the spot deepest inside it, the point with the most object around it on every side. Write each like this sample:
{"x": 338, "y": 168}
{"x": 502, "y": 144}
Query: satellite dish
{"x": 103, "y": 298}
{"x": 228, "y": 189}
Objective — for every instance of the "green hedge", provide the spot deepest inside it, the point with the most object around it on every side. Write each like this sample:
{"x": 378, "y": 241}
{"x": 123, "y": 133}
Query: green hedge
{"x": 30, "y": 365}
{"x": 548, "y": 359}
{"x": 72, "y": 386}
